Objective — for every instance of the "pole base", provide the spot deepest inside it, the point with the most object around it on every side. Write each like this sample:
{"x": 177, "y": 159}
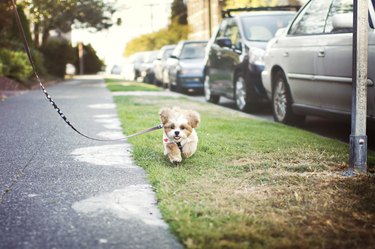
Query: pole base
{"x": 358, "y": 153}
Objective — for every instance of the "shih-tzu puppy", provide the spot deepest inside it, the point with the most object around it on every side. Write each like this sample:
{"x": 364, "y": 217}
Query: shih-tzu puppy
{"x": 179, "y": 135}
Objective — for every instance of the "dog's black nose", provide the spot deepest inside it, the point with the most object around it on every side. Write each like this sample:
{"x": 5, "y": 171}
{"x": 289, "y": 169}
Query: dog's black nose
{"x": 176, "y": 133}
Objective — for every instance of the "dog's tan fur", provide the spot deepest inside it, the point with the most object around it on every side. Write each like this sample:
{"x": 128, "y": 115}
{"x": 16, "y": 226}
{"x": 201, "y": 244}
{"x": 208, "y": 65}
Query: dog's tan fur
{"x": 179, "y": 127}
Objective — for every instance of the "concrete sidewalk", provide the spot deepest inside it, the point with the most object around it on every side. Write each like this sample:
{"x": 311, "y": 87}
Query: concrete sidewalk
{"x": 60, "y": 190}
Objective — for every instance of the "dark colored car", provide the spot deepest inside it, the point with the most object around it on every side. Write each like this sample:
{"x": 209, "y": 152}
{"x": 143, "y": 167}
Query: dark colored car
{"x": 185, "y": 66}
{"x": 234, "y": 56}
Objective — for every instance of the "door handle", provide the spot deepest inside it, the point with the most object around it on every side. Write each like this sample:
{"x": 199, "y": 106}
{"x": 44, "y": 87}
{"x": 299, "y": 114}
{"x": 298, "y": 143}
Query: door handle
{"x": 321, "y": 53}
{"x": 286, "y": 54}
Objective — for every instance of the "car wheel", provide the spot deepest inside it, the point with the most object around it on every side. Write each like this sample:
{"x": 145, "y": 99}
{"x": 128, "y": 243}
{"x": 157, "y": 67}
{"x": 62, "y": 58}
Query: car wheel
{"x": 240, "y": 94}
{"x": 282, "y": 102}
{"x": 209, "y": 97}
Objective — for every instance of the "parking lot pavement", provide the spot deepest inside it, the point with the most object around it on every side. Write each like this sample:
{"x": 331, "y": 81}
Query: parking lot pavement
{"x": 60, "y": 190}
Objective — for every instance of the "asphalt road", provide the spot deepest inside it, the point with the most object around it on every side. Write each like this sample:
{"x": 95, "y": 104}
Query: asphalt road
{"x": 60, "y": 190}
{"x": 322, "y": 126}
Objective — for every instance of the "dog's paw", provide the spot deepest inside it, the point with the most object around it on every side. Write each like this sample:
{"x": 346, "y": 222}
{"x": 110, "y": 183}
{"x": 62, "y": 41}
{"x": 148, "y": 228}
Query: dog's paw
{"x": 176, "y": 163}
{"x": 188, "y": 153}
{"x": 175, "y": 160}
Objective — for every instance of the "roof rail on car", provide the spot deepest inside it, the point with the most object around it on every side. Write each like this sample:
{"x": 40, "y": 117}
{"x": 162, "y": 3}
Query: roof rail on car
{"x": 227, "y": 12}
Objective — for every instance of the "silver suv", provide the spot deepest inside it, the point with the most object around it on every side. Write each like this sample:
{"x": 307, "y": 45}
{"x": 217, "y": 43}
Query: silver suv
{"x": 308, "y": 67}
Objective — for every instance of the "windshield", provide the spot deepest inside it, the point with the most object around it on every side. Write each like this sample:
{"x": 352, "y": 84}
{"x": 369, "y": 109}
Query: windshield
{"x": 193, "y": 51}
{"x": 263, "y": 28}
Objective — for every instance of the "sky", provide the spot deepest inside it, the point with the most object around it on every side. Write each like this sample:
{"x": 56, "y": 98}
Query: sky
{"x": 138, "y": 17}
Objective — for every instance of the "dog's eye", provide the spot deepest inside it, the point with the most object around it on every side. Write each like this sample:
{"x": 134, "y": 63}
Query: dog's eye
{"x": 182, "y": 127}
{"x": 172, "y": 126}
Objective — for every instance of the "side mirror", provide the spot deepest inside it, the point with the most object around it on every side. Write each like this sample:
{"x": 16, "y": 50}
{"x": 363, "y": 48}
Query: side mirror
{"x": 342, "y": 23}
{"x": 173, "y": 57}
{"x": 280, "y": 32}
{"x": 224, "y": 42}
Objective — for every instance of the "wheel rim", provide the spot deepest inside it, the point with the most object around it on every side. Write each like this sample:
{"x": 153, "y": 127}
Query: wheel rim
{"x": 280, "y": 100}
{"x": 207, "y": 90}
{"x": 240, "y": 93}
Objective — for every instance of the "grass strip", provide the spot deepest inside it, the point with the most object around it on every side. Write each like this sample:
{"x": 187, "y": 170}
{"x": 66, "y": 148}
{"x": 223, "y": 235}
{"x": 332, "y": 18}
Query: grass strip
{"x": 118, "y": 85}
{"x": 253, "y": 183}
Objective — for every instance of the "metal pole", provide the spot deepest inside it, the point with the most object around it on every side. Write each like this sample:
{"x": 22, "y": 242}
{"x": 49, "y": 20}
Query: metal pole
{"x": 358, "y": 138}
{"x": 209, "y": 19}
{"x": 81, "y": 59}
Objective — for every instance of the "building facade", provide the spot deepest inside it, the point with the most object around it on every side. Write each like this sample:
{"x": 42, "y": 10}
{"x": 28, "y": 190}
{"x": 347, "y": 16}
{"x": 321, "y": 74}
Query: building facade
{"x": 203, "y": 17}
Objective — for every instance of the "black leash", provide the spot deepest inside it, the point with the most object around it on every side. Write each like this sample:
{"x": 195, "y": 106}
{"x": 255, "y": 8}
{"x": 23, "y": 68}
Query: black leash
{"x": 27, "y": 49}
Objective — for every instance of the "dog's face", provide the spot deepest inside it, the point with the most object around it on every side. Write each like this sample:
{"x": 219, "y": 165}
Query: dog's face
{"x": 178, "y": 124}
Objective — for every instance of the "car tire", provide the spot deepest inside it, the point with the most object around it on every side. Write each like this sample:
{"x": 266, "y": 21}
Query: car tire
{"x": 177, "y": 87}
{"x": 241, "y": 95}
{"x": 282, "y": 101}
{"x": 208, "y": 96}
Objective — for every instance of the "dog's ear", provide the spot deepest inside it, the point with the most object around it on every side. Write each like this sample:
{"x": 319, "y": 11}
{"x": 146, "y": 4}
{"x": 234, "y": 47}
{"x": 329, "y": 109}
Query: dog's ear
{"x": 164, "y": 115}
{"x": 194, "y": 118}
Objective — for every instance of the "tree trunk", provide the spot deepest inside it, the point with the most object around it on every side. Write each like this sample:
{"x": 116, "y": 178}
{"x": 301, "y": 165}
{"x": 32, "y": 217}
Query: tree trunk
{"x": 36, "y": 35}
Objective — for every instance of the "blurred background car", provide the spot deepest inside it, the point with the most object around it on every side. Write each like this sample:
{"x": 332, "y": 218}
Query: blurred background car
{"x": 146, "y": 67}
{"x": 234, "y": 55}
{"x": 309, "y": 66}
{"x": 185, "y": 66}
{"x": 160, "y": 65}
{"x": 70, "y": 69}
{"x": 131, "y": 70}
{"x": 116, "y": 69}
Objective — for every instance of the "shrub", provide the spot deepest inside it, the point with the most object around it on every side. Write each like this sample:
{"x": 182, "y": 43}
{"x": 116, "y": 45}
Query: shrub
{"x": 57, "y": 53}
{"x": 91, "y": 62}
{"x": 15, "y": 64}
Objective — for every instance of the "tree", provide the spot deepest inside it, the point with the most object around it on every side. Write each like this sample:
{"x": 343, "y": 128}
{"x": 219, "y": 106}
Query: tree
{"x": 176, "y": 31}
{"x": 47, "y": 15}
{"x": 153, "y": 41}
{"x": 179, "y": 12}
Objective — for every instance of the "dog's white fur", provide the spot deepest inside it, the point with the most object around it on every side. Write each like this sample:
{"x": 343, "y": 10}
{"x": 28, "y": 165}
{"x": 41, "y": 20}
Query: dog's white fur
{"x": 179, "y": 127}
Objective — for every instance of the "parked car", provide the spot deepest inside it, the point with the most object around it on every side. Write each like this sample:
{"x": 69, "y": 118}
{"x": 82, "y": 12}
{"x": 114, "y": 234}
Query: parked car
{"x": 234, "y": 56}
{"x": 185, "y": 66}
{"x": 146, "y": 68}
{"x": 160, "y": 65}
{"x": 309, "y": 66}
{"x": 131, "y": 70}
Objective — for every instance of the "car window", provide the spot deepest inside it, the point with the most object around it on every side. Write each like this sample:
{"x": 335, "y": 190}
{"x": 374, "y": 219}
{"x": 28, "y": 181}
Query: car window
{"x": 167, "y": 53}
{"x": 338, "y": 7}
{"x": 193, "y": 51}
{"x": 222, "y": 28}
{"x": 233, "y": 33}
{"x": 312, "y": 18}
{"x": 372, "y": 13}
{"x": 263, "y": 28}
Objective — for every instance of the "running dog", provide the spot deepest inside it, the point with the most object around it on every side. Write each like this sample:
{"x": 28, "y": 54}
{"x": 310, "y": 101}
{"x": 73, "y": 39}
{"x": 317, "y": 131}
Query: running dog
{"x": 179, "y": 135}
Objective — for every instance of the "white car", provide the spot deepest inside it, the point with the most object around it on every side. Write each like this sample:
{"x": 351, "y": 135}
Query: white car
{"x": 308, "y": 66}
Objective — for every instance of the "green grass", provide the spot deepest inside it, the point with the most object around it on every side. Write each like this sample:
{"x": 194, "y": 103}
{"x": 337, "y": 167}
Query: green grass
{"x": 117, "y": 85}
{"x": 252, "y": 183}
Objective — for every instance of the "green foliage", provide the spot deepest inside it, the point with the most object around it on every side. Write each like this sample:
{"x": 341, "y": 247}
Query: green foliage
{"x": 57, "y": 53}
{"x": 14, "y": 64}
{"x": 63, "y": 15}
{"x": 171, "y": 35}
{"x": 91, "y": 62}
{"x": 9, "y": 30}
{"x": 1, "y": 69}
